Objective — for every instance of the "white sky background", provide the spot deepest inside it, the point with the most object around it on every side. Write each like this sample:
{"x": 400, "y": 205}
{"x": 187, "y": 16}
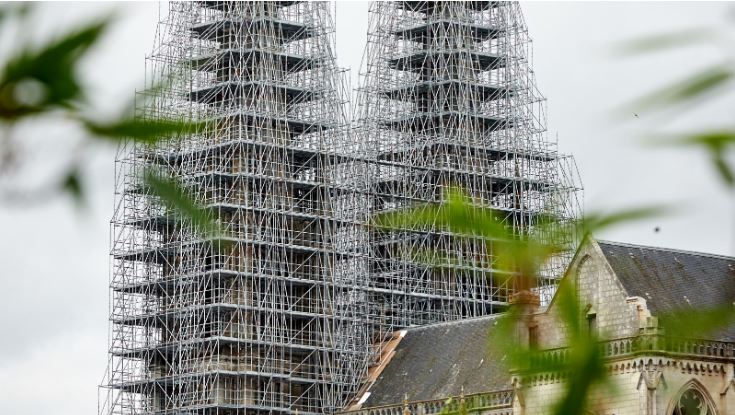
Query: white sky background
{"x": 54, "y": 258}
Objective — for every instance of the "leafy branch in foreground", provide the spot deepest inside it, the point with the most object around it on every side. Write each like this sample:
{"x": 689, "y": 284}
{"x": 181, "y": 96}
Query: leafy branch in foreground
{"x": 521, "y": 254}
{"x": 175, "y": 198}
{"x": 45, "y": 79}
{"x": 707, "y": 81}
{"x": 524, "y": 255}
{"x": 718, "y": 143}
{"x": 141, "y": 130}
{"x": 716, "y": 79}
{"x": 658, "y": 42}
{"x": 42, "y": 83}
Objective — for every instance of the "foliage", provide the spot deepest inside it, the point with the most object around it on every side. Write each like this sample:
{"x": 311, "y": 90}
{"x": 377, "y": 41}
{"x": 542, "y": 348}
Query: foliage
{"x": 687, "y": 92}
{"x": 181, "y": 206}
{"x": 585, "y": 367}
{"x": 42, "y": 82}
{"x": 520, "y": 253}
{"x": 524, "y": 256}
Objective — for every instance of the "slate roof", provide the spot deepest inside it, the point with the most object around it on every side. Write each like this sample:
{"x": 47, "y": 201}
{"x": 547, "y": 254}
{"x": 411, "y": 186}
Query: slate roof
{"x": 440, "y": 360}
{"x": 670, "y": 279}
{"x": 436, "y": 361}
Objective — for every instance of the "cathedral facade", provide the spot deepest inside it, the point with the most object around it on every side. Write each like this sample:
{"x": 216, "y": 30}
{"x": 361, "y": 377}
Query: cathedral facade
{"x": 625, "y": 292}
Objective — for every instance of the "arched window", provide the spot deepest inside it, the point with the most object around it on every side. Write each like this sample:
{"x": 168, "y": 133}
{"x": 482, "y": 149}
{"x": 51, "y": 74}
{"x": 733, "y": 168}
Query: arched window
{"x": 692, "y": 402}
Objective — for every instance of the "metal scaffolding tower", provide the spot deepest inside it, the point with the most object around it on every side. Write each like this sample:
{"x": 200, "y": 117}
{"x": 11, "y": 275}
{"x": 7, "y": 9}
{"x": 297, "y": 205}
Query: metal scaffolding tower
{"x": 448, "y": 99}
{"x": 265, "y": 319}
{"x": 284, "y": 313}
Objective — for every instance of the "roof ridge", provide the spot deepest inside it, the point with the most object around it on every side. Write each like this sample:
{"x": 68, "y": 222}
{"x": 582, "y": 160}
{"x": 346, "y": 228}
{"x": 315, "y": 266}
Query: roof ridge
{"x": 455, "y": 322}
{"x": 672, "y": 250}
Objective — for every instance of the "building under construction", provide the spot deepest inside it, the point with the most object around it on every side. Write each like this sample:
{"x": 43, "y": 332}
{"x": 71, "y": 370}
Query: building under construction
{"x": 286, "y": 309}
{"x": 448, "y": 99}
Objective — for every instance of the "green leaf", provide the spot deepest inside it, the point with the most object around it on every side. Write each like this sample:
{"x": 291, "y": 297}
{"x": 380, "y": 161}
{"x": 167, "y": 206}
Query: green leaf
{"x": 72, "y": 185}
{"x": 147, "y": 131}
{"x": 175, "y": 198}
{"x": 521, "y": 256}
{"x": 697, "y": 323}
{"x": 716, "y": 139}
{"x": 52, "y": 67}
{"x": 716, "y": 142}
{"x": 596, "y": 222}
{"x": 699, "y": 84}
{"x": 586, "y": 371}
{"x": 726, "y": 173}
{"x": 665, "y": 41}
{"x": 455, "y": 213}
{"x": 570, "y": 309}
{"x": 687, "y": 89}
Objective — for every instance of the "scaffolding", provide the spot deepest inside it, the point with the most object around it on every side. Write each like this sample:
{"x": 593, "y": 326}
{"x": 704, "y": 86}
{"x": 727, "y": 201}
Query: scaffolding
{"x": 285, "y": 312}
{"x": 268, "y": 317}
{"x": 448, "y": 99}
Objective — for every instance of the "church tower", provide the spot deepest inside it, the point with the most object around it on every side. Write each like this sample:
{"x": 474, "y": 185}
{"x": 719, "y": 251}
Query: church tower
{"x": 448, "y": 99}
{"x": 283, "y": 312}
{"x": 265, "y": 318}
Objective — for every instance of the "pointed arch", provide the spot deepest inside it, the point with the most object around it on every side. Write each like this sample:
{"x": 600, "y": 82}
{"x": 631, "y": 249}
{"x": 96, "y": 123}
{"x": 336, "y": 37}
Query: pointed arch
{"x": 578, "y": 268}
{"x": 692, "y": 399}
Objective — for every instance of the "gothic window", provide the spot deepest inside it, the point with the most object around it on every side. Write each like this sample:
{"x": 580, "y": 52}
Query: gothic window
{"x": 691, "y": 402}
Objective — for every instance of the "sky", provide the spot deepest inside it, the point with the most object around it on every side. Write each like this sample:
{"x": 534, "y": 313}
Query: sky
{"x": 54, "y": 262}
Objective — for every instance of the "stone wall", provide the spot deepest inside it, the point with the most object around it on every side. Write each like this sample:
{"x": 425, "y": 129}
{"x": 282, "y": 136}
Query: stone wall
{"x": 644, "y": 384}
{"x": 648, "y": 371}
{"x": 601, "y": 295}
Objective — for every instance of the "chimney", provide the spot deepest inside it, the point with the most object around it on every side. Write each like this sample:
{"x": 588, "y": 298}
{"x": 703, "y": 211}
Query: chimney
{"x": 525, "y": 304}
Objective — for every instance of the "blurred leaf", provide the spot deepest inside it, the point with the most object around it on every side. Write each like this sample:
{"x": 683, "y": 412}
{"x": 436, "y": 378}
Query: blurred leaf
{"x": 716, "y": 142}
{"x": 585, "y": 366}
{"x": 522, "y": 257}
{"x": 52, "y": 68}
{"x": 456, "y": 213}
{"x": 699, "y": 84}
{"x": 695, "y": 86}
{"x": 586, "y": 370}
{"x": 582, "y": 364}
{"x": 14, "y": 9}
{"x": 147, "y": 131}
{"x": 593, "y": 222}
{"x": 717, "y": 139}
{"x": 724, "y": 169}
{"x": 72, "y": 185}
{"x": 569, "y": 308}
{"x": 154, "y": 91}
{"x": 519, "y": 255}
{"x": 175, "y": 198}
{"x": 697, "y": 323}
{"x": 665, "y": 41}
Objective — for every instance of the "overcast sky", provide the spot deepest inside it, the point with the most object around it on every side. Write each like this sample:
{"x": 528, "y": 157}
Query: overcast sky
{"x": 54, "y": 268}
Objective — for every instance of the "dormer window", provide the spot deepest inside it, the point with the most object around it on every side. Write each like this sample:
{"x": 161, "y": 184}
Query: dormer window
{"x": 592, "y": 324}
